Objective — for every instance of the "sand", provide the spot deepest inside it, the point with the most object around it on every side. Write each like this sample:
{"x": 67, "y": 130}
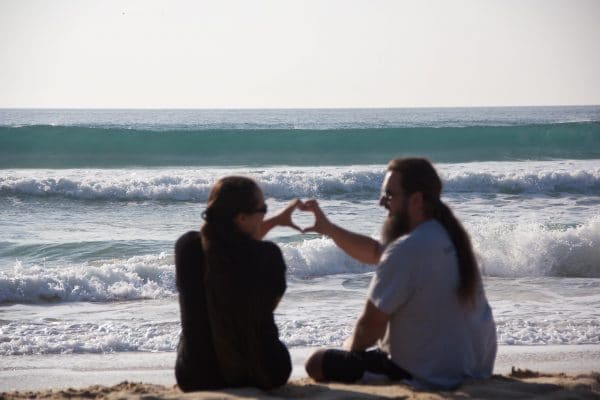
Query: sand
{"x": 98, "y": 376}
{"x": 519, "y": 384}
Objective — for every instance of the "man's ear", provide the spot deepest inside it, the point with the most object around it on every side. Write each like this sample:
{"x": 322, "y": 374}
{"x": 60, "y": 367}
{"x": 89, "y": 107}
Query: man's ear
{"x": 416, "y": 202}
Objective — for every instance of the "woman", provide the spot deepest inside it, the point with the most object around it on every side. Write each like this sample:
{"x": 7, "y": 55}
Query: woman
{"x": 229, "y": 283}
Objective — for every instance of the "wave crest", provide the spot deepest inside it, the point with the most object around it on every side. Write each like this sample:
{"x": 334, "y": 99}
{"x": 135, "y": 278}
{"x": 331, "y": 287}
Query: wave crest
{"x": 536, "y": 250}
{"x": 284, "y": 183}
{"x": 139, "y": 277}
{"x": 80, "y": 147}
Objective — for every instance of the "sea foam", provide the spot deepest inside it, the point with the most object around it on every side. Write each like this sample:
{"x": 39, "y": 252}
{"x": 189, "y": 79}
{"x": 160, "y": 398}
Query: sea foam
{"x": 503, "y": 251}
{"x": 530, "y": 249}
{"x": 139, "y": 277}
{"x": 579, "y": 177}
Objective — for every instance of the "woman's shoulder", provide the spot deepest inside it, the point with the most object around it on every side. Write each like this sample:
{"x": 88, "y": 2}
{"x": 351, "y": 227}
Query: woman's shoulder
{"x": 188, "y": 239}
{"x": 189, "y": 265}
{"x": 264, "y": 252}
{"x": 268, "y": 248}
{"x": 269, "y": 268}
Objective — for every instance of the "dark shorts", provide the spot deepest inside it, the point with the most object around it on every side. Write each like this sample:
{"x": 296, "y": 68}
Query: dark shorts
{"x": 349, "y": 366}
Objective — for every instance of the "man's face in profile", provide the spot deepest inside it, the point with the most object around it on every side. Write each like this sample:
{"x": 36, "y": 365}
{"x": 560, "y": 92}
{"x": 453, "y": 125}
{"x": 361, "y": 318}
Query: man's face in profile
{"x": 395, "y": 201}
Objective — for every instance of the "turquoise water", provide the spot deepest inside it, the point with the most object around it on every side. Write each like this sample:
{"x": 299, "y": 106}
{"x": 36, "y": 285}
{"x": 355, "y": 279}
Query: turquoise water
{"x": 80, "y": 147}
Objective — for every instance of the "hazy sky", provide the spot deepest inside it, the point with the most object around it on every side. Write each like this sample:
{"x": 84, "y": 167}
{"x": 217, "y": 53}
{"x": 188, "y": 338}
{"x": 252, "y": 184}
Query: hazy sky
{"x": 241, "y": 53}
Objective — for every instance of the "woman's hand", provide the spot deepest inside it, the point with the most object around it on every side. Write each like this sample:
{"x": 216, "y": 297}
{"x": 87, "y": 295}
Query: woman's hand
{"x": 282, "y": 218}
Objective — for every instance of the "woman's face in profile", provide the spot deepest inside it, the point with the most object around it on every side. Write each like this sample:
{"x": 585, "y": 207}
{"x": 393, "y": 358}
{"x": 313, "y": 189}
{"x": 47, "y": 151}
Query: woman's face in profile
{"x": 250, "y": 223}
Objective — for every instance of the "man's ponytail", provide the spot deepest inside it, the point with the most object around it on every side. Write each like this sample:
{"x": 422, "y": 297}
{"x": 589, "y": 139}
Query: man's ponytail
{"x": 467, "y": 263}
{"x": 418, "y": 175}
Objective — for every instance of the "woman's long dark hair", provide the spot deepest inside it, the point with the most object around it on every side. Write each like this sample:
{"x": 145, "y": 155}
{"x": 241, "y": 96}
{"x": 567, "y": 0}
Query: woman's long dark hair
{"x": 224, "y": 247}
{"x": 229, "y": 197}
{"x": 418, "y": 175}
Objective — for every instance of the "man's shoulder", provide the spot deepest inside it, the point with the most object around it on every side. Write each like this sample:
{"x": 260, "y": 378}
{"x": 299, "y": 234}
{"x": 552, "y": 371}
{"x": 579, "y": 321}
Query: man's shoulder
{"x": 427, "y": 233}
{"x": 422, "y": 238}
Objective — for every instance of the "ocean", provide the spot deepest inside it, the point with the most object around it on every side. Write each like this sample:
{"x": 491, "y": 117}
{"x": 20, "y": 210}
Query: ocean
{"x": 92, "y": 201}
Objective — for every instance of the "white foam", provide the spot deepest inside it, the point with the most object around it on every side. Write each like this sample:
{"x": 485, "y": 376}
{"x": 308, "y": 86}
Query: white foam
{"x": 319, "y": 257}
{"x": 517, "y": 331}
{"x": 63, "y": 337}
{"x": 185, "y": 184}
{"x": 504, "y": 250}
{"x": 545, "y": 181}
{"x": 146, "y": 277}
{"x": 139, "y": 277}
{"x": 530, "y": 249}
{"x": 320, "y": 311}
{"x": 181, "y": 184}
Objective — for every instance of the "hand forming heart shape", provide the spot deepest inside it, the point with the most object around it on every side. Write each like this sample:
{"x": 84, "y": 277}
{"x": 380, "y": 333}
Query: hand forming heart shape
{"x": 304, "y": 220}
{"x": 319, "y": 223}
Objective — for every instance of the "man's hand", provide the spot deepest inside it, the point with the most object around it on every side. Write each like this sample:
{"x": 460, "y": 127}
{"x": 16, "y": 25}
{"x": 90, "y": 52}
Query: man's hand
{"x": 347, "y": 345}
{"x": 357, "y": 246}
{"x": 322, "y": 225}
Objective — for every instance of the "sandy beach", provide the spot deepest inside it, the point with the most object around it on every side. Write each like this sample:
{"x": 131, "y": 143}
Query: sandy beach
{"x": 519, "y": 384}
{"x": 562, "y": 372}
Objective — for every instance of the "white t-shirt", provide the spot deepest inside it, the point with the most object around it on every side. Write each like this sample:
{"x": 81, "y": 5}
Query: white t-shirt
{"x": 430, "y": 334}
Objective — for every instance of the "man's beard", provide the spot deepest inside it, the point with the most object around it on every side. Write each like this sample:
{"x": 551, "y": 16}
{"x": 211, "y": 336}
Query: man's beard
{"x": 395, "y": 225}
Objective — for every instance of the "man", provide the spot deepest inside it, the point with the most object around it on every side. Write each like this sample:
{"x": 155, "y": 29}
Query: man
{"x": 426, "y": 306}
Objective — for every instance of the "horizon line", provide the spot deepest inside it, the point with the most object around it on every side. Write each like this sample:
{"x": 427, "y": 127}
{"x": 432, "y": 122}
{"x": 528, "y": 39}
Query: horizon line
{"x": 290, "y": 108}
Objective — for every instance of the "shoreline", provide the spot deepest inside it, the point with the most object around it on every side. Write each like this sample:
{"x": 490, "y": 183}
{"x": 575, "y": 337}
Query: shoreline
{"x": 45, "y": 372}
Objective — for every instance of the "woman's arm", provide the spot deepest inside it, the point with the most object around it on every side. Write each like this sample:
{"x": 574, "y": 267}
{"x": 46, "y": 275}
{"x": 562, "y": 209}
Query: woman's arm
{"x": 272, "y": 273}
{"x": 283, "y": 218}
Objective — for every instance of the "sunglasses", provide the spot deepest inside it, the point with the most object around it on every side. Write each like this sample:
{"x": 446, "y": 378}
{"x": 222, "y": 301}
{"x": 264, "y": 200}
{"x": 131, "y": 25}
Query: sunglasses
{"x": 262, "y": 210}
{"x": 387, "y": 196}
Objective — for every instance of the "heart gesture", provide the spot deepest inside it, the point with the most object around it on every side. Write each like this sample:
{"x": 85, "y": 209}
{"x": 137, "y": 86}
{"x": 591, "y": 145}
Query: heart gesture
{"x": 284, "y": 218}
{"x": 321, "y": 225}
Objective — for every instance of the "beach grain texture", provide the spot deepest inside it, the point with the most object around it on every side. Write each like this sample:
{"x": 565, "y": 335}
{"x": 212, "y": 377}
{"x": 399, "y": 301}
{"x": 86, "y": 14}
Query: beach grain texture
{"x": 520, "y": 384}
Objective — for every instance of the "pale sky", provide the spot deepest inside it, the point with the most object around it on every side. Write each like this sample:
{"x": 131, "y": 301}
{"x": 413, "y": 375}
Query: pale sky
{"x": 281, "y": 54}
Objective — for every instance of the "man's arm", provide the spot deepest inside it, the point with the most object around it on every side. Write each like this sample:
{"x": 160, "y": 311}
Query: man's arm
{"x": 370, "y": 327}
{"x": 359, "y": 247}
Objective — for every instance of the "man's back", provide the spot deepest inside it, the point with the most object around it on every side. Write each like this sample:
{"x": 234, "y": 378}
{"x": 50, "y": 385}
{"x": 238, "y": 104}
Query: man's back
{"x": 430, "y": 333}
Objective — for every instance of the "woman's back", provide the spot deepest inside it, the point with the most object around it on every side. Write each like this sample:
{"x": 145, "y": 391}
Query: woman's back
{"x": 241, "y": 294}
{"x": 229, "y": 337}
{"x": 196, "y": 359}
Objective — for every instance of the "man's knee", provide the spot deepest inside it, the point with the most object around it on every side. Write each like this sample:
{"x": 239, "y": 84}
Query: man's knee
{"x": 314, "y": 365}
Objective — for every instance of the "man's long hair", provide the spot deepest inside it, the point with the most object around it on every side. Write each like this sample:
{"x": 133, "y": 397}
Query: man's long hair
{"x": 418, "y": 175}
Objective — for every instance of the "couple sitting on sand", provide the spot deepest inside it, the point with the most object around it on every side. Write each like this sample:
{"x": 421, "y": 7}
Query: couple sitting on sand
{"x": 425, "y": 311}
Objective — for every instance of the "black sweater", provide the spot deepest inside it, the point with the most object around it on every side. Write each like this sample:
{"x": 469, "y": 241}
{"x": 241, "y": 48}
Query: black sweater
{"x": 229, "y": 337}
